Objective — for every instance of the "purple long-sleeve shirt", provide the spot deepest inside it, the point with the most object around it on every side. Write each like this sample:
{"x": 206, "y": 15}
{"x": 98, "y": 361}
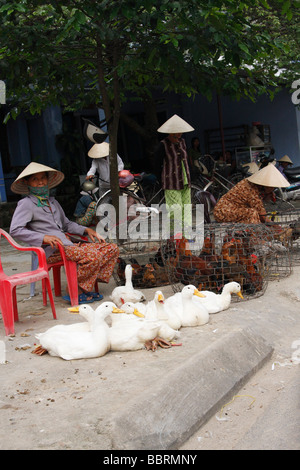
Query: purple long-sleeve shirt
{"x": 31, "y": 223}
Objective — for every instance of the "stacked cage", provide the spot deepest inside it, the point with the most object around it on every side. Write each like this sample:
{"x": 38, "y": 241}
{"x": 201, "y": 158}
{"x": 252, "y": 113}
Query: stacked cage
{"x": 229, "y": 252}
{"x": 146, "y": 261}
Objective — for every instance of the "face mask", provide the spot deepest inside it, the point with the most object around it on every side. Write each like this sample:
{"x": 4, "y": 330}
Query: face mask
{"x": 42, "y": 193}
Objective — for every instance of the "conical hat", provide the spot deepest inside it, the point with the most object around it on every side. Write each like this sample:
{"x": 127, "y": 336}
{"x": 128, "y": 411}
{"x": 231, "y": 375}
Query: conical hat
{"x": 285, "y": 158}
{"x": 252, "y": 167}
{"x": 269, "y": 176}
{"x": 19, "y": 186}
{"x": 99, "y": 150}
{"x": 93, "y": 133}
{"x": 175, "y": 125}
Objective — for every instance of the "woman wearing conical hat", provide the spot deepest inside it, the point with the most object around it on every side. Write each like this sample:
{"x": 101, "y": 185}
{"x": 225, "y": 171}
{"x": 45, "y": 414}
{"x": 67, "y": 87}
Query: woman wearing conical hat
{"x": 172, "y": 166}
{"x": 284, "y": 163}
{"x": 244, "y": 203}
{"x": 99, "y": 154}
{"x": 39, "y": 220}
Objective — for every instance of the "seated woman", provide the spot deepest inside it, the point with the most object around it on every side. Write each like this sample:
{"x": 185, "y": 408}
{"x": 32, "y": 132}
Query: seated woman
{"x": 39, "y": 220}
{"x": 244, "y": 203}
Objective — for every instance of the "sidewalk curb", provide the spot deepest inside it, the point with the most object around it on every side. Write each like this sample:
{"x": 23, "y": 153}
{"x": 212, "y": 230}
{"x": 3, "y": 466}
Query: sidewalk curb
{"x": 186, "y": 398}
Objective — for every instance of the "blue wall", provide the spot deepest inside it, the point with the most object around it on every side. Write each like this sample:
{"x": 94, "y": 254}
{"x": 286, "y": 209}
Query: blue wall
{"x": 33, "y": 138}
{"x": 281, "y": 114}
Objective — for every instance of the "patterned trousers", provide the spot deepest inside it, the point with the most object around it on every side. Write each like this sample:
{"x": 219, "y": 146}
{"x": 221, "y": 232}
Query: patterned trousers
{"x": 94, "y": 261}
{"x": 89, "y": 215}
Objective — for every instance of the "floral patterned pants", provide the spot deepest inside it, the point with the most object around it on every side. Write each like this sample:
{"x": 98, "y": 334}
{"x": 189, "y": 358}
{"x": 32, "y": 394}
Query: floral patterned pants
{"x": 89, "y": 216}
{"x": 94, "y": 261}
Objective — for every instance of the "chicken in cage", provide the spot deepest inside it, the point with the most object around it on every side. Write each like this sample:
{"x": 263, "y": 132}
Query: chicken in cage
{"x": 289, "y": 231}
{"x": 230, "y": 252}
{"x": 148, "y": 269}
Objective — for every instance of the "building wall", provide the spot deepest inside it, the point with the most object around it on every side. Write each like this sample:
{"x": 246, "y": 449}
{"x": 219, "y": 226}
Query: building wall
{"x": 281, "y": 114}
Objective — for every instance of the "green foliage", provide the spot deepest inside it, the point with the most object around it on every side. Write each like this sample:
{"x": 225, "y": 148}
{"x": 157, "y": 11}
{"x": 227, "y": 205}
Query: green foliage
{"x": 80, "y": 52}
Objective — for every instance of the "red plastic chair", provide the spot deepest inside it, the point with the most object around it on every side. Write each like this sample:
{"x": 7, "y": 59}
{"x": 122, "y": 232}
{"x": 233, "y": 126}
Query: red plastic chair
{"x": 70, "y": 270}
{"x": 8, "y": 296}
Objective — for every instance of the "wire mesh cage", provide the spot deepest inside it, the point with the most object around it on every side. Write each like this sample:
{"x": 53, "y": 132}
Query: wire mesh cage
{"x": 289, "y": 222}
{"x": 146, "y": 261}
{"x": 230, "y": 252}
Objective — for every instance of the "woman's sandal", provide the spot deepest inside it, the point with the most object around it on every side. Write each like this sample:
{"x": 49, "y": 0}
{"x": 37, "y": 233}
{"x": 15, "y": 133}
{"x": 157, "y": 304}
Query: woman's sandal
{"x": 96, "y": 295}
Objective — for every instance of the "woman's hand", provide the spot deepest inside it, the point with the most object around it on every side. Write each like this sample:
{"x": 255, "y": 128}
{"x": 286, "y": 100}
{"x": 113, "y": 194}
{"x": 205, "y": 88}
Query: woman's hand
{"x": 52, "y": 240}
{"x": 94, "y": 235}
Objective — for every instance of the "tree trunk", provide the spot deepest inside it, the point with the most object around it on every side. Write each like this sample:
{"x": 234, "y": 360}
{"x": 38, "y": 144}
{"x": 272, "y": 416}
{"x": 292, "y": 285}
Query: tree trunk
{"x": 112, "y": 119}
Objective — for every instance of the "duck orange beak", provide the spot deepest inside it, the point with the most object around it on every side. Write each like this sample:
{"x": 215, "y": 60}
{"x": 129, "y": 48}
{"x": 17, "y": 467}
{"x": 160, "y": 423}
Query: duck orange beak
{"x": 138, "y": 314}
{"x": 198, "y": 293}
{"x": 117, "y": 310}
{"x": 160, "y": 298}
{"x": 73, "y": 309}
{"x": 240, "y": 295}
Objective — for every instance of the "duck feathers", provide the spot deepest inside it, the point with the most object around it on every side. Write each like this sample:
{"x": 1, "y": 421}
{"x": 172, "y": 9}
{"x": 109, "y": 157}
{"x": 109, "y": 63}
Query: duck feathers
{"x": 126, "y": 293}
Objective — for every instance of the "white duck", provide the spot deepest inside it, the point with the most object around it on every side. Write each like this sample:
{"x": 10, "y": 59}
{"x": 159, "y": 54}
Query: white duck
{"x": 133, "y": 313}
{"x": 88, "y": 314}
{"x": 130, "y": 334}
{"x": 69, "y": 343}
{"x": 127, "y": 293}
{"x": 215, "y": 303}
{"x": 157, "y": 310}
{"x": 190, "y": 313}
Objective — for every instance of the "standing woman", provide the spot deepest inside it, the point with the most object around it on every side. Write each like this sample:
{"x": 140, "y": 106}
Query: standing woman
{"x": 39, "y": 220}
{"x": 172, "y": 163}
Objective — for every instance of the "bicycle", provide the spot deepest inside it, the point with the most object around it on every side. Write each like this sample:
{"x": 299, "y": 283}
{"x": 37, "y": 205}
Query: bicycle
{"x": 141, "y": 200}
{"x": 217, "y": 184}
{"x": 153, "y": 194}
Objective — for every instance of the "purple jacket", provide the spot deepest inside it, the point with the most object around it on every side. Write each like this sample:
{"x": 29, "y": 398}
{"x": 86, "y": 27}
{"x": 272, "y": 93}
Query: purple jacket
{"x": 31, "y": 223}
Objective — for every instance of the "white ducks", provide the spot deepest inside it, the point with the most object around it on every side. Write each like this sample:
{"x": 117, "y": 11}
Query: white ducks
{"x": 215, "y": 303}
{"x": 69, "y": 343}
{"x": 131, "y": 334}
{"x": 131, "y": 313}
{"x": 131, "y": 330}
{"x": 190, "y": 313}
{"x": 157, "y": 310}
{"x": 135, "y": 313}
{"x": 127, "y": 293}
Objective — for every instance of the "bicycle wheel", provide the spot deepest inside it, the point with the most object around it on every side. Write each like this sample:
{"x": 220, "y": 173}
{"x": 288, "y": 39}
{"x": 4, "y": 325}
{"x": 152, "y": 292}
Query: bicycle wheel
{"x": 201, "y": 197}
{"x": 217, "y": 188}
{"x": 236, "y": 177}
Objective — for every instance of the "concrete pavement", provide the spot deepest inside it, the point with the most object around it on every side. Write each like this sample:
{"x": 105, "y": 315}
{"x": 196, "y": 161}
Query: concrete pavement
{"x": 139, "y": 399}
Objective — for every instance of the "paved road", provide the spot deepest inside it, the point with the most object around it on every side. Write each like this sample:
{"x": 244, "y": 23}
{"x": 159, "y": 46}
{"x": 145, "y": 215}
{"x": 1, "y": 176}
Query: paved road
{"x": 264, "y": 414}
